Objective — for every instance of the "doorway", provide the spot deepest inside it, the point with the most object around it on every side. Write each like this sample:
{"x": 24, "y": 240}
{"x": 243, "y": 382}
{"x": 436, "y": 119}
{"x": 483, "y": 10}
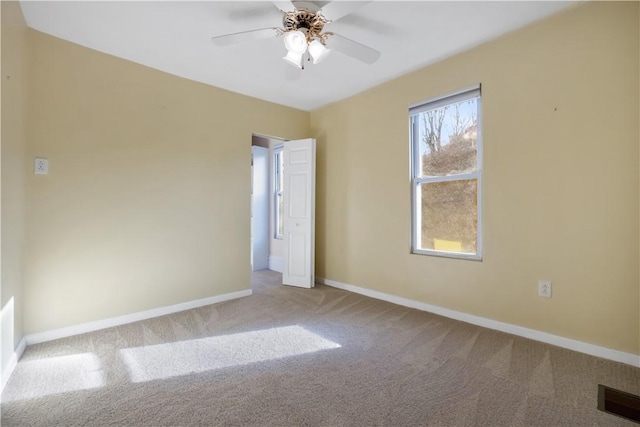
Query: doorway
{"x": 267, "y": 247}
{"x": 283, "y": 208}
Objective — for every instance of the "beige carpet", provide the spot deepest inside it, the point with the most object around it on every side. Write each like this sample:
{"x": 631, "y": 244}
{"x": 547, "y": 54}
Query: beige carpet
{"x": 294, "y": 357}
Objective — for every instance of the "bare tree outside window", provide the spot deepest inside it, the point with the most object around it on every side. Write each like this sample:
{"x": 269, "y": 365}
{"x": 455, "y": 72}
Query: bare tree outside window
{"x": 462, "y": 121}
{"x": 432, "y": 125}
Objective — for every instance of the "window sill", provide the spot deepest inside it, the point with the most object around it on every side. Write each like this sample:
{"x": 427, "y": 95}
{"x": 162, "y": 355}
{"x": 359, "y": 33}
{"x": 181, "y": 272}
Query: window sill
{"x": 444, "y": 254}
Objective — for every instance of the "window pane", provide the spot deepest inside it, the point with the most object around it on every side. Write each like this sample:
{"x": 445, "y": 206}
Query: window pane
{"x": 279, "y": 169}
{"x": 448, "y": 139}
{"x": 278, "y": 184}
{"x": 449, "y": 219}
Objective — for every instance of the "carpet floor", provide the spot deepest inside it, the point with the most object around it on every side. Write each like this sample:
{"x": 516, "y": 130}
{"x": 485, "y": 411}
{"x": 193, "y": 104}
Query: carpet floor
{"x": 319, "y": 357}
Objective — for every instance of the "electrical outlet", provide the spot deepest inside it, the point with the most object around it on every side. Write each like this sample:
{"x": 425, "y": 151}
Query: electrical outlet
{"x": 41, "y": 166}
{"x": 544, "y": 288}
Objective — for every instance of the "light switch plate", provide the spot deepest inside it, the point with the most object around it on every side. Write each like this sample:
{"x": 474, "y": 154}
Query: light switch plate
{"x": 41, "y": 166}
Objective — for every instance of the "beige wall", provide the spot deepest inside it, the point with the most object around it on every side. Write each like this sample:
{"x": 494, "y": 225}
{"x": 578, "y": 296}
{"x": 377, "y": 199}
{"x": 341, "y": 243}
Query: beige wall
{"x": 14, "y": 169}
{"x": 147, "y": 202}
{"x": 561, "y": 193}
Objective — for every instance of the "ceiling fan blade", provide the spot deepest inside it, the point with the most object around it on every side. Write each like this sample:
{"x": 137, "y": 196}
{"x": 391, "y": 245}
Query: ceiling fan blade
{"x": 244, "y": 36}
{"x": 337, "y": 9}
{"x": 351, "y": 48}
{"x": 285, "y": 6}
{"x": 243, "y": 14}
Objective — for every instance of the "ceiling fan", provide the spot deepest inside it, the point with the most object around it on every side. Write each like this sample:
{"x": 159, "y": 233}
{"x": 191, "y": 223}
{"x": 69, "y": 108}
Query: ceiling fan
{"x": 302, "y": 29}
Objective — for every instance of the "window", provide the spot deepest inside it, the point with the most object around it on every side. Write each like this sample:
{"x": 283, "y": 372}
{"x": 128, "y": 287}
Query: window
{"x": 446, "y": 153}
{"x": 278, "y": 165}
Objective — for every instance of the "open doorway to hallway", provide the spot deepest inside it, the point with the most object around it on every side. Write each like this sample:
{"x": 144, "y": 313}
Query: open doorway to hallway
{"x": 267, "y": 246}
{"x": 283, "y": 213}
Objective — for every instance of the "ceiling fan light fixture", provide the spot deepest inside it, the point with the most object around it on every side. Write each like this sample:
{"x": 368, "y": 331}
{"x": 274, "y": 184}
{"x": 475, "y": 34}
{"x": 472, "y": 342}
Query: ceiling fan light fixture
{"x": 294, "y": 58}
{"x": 295, "y": 42}
{"x": 303, "y": 33}
{"x": 318, "y": 51}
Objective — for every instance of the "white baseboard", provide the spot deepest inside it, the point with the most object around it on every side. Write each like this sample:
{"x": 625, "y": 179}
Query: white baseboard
{"x": 568, "y": 343}
{"x": 13, "y": 362}
{"x": 276, "y": 264}
{"x": 129, "y": 318}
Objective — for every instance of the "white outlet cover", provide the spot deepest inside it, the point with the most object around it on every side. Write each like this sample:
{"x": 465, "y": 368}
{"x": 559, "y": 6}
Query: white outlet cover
{"x": 544, "y": 288}
{"x": 41, "y": 166}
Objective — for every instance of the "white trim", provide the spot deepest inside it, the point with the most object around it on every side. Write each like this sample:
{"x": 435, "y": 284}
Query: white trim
{"x": 446, "y": 99}
{"x": 13, "y": 362}
{"x": 448, "y": 178}
{"x": 276, "y": 263}
{"x": 568, "y": 343}
{"x": 445, "y": 254}
{"x": 129, "y": 318}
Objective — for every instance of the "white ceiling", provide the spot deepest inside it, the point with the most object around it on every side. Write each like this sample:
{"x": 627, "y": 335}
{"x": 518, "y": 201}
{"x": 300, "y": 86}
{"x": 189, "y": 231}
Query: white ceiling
{"x": 175, "y": 37}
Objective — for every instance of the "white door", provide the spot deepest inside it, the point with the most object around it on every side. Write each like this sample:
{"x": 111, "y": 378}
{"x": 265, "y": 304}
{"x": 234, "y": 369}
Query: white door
{"x": 260, "y": 208}
{"x": 299, "y": 197}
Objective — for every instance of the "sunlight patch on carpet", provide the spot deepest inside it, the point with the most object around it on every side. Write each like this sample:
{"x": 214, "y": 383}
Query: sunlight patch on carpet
{"x": 168, "y": 360}
{"x": 55, "y": 375}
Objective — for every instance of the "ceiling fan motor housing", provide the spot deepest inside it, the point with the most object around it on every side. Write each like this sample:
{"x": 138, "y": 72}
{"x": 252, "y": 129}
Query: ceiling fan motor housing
{"x": 310, "y": 23}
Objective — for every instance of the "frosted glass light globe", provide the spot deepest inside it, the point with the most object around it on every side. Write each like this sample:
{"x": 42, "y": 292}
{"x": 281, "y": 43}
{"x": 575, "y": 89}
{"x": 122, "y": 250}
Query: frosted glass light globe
{"x": 296, "y": 42}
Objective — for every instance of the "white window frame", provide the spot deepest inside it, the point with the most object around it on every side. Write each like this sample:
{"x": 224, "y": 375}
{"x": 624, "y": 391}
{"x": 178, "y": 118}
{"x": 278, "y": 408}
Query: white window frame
{"x": 278, "y": 151}
{"x": 417, "y": 181}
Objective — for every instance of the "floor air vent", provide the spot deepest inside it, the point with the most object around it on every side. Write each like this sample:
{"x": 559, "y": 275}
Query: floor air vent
{"x": 620, "y": 403}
